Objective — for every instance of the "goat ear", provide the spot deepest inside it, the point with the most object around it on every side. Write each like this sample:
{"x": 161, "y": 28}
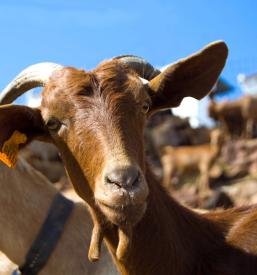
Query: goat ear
{"x": 192, "y": 76}
{"x": 23, "y": 119}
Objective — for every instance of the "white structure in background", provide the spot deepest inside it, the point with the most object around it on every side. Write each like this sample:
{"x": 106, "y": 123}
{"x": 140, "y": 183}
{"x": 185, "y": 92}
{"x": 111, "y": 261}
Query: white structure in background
{"x": 248, "y": 84}
{"x": 195, "y": 110}
{"x": 32, "y": 98}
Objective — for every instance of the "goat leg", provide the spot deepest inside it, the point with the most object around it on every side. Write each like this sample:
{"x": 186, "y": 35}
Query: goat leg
{"x": 125, "y": 237}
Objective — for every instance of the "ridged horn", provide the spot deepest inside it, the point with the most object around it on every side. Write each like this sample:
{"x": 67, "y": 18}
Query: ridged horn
{"x": 143, "y": 68}
{"x": 33, "y": 76}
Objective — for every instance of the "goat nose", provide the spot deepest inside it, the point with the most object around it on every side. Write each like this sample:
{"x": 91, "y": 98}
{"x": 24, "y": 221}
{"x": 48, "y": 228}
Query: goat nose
{"x": 123, "y": 177}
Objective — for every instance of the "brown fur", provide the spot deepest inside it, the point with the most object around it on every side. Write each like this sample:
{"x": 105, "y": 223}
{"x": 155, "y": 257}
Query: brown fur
{"x": 103, "y": 115}
{"x": 237, "y": 117}
{"x": 177, "y": 161}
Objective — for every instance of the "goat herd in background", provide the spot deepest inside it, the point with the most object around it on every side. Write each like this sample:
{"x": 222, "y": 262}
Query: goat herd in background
{"x": 219, "y": 156}
{"x": 140, "y": 184}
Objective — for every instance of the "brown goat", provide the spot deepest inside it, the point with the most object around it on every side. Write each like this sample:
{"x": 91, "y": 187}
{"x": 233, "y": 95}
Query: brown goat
{"x": 249, "y": 112}
{"x": 237, "y": 117}
{"x": 229, "y": 115}
{"x": 177, "y": 161}
{"x": 96, "y": 119}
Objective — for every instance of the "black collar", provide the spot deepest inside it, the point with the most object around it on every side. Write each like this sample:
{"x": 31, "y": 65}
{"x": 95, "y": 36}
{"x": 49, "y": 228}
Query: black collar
{"x": 47, "y": 237}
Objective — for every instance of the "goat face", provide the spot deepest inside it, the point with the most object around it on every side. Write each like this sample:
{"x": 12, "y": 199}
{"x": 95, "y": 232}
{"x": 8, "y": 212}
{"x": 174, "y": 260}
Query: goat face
{"x": 100, "y": 116}
{"x": 96, "y": 120}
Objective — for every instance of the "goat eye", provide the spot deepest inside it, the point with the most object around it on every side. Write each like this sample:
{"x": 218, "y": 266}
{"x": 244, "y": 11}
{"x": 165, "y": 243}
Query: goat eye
{"x": 145, "y": 107}
{"x": 53, "y": 124}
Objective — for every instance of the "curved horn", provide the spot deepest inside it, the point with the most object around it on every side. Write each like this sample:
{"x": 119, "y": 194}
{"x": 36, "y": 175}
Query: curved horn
{"x": 143, "y": 68}
{"x": 33, "y": 76}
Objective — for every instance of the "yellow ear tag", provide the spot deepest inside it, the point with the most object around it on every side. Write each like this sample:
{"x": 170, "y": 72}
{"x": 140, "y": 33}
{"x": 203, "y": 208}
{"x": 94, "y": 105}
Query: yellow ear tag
{"x": 11, "y": 147}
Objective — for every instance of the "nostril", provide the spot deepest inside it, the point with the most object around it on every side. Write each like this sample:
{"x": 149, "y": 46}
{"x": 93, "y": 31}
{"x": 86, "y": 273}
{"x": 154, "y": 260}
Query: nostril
{"x": 136, "y": 179}
{"x": 112, "y": 181}
{"x": 123, "y": 177}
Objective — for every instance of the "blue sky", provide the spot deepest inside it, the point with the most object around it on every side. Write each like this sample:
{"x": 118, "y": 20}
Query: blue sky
{"x": 81, "y": 33}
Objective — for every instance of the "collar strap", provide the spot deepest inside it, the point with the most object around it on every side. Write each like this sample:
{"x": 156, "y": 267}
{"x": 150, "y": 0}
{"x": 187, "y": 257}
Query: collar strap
{"x": 48, "y": 236}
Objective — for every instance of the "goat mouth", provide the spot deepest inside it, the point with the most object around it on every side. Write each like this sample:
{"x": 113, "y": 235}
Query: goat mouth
{"x": 122, "y": 214}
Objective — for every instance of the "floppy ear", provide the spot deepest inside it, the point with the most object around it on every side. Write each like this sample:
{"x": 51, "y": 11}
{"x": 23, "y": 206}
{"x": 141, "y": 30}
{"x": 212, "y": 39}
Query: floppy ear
{"x": 23, "y": 119}
{"x": 192, "y": 76}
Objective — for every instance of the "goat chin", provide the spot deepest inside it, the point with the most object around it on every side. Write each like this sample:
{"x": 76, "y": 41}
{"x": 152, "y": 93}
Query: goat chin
{"x": 123, "y": 216}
